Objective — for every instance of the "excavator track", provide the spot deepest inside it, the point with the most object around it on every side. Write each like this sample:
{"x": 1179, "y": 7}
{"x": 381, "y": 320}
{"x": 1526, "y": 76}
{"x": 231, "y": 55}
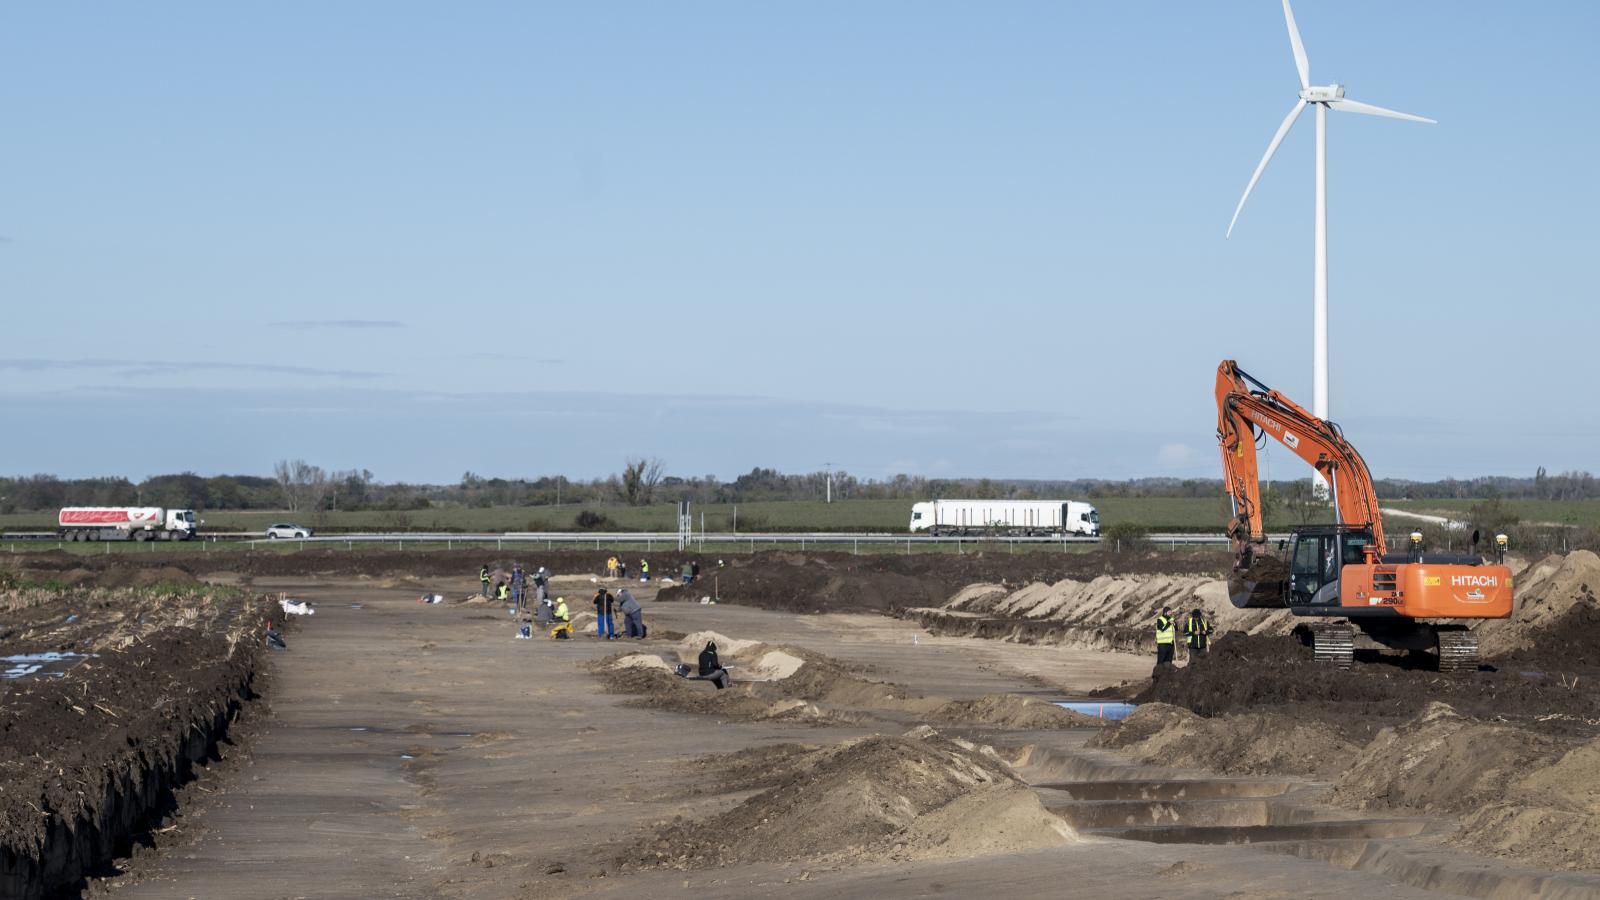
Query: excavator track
{"x": 1458, "y": 651}
{"x": 1333, "y": 644}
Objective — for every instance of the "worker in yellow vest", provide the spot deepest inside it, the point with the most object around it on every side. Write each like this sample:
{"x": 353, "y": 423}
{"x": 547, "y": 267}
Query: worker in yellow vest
{"x": 1166, "y": 635}
{"x": 563, "y": 629}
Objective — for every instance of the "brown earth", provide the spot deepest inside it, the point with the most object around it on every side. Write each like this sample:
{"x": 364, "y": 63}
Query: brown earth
{"x": 1511, "y": 748}
{"x": 909, "y": 797}
{"x": 1252, "y": 743}
{"x": 1103, "y": 611}
{"x": 814, "y": 688}
{"x": 89, "y": 760}
{"x": 832, "y": 582}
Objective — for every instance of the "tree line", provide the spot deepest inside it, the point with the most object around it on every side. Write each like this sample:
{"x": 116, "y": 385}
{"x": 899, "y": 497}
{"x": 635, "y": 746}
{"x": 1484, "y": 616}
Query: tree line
{"x": 299, "y": 486}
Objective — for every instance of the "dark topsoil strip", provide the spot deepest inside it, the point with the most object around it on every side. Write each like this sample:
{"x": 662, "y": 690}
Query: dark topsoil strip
{"x": 776, "y": 579}
{"x": 89, "y": 761}
{"x": 1554, "y": 688}
{"x": 830, "y": 582}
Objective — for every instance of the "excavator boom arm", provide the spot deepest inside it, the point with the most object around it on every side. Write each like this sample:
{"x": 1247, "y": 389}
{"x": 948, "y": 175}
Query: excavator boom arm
{"x": 1245, "y": 406}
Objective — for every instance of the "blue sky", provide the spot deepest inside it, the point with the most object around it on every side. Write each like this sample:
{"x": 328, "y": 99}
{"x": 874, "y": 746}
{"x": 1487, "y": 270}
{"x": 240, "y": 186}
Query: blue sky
{"x": 948, "y": 239}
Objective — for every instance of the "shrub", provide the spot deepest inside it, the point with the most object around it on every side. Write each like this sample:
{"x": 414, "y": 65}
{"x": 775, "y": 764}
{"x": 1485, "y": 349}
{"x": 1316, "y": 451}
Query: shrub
{"x": 589, "y": 520}
{"x": 1124, "y": 535}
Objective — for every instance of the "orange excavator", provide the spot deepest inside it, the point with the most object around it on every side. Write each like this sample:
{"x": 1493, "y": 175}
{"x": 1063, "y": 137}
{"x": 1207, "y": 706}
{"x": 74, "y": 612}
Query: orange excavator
{"x": 1340, "y": 574}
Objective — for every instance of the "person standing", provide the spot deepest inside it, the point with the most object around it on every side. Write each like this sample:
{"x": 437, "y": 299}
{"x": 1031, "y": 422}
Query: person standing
{"x": 688, "y": 573}
{"x": 519, "y": 585}
{"x": 483, "y": 580}
{"x": 1166, "y": 634}
{"x": 605, "y": 627}
{"x": 632, "y": 614}
{"x": 644, "y": 571}
{"x": 1197, "y": 632}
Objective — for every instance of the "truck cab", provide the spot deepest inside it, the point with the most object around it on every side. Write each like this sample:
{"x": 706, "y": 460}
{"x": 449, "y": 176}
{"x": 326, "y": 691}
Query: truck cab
{"x": 181, "y": 523}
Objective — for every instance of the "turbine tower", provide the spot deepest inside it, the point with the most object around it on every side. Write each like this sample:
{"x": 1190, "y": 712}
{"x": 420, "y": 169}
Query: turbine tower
{"x": 1324, "y": 98}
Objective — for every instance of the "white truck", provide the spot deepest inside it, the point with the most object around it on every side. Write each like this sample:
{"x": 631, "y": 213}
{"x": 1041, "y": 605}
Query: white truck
{"x": 1027, "y": 517}
{"x": 125, "y": 523}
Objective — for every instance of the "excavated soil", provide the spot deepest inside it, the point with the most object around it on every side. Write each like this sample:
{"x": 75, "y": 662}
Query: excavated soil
{"x": 1106, "y": 611}
{"x": 799, "y": 582}
{"x": 840, "y": 582}
{"x": 1237, "y": 744}
{"x": 89, "y": 758}
{"x": 1245, "y": 673}
{"x": 915, "y": 796}
{"x": 794, "y": 684}
{"x": 1512, "y": 749}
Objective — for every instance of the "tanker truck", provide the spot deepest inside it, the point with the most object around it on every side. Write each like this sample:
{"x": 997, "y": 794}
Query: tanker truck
{"x": 125, "y": 523}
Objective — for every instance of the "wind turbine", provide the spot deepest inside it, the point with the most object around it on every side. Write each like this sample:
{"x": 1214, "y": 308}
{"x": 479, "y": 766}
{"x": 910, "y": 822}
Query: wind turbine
{"x": 1323, "y": 98}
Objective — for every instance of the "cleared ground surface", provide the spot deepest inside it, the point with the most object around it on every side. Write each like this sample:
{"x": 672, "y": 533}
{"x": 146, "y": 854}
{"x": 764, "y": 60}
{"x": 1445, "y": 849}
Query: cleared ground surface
{"x": 421, "y": 751}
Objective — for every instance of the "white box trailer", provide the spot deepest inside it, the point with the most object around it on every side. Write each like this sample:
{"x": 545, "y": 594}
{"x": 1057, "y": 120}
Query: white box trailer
{"x": 125, "y": 523}
{"x": 1005, "y": 517}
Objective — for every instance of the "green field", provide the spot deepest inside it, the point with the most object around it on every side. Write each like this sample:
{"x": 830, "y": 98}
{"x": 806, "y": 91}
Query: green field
{"x": 1183, "y": 514}
{"x": 1577, "y": 513}
{"x": 1158, "y": 513}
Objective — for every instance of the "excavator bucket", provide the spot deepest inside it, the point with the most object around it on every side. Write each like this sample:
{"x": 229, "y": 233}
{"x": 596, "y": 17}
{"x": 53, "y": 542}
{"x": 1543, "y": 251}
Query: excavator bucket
{"x": 1258, "y": 581}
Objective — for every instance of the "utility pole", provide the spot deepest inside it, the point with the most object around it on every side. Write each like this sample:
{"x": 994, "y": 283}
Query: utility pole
{"x": 558, "y": 491}
{"x": 829, "y": 467}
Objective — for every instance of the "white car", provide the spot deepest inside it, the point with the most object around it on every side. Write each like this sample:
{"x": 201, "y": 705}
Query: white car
{"x": 285, "y": 530}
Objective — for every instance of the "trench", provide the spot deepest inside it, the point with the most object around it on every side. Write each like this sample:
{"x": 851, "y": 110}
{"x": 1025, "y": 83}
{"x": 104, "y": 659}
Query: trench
{"x": 1104, "y": 797}
{"x": 133, "y": 804}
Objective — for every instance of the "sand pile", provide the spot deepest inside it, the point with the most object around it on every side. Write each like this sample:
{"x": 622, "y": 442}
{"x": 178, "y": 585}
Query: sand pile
{"x": 1550, "y": 817}
{"x": 1011, "y": 711}
{"x": 1107, "y": 612}
{"x": 795, "y": 684}
{"x": 1523, "y": 794}
{"x": 812, "y": 583}
{"x": 1555, "y": 614}
{"x": 689, "y": 648}
{"x": 1440, "y": 762}
{"x": 640, "y": 661}
{"x": 774, "y": 665}
{"x": 1241, "y": 744}
{"x": 914, "y": 796}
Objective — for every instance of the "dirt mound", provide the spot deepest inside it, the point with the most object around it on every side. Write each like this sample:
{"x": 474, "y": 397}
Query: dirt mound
{"x": 1551, "y": 817}
{"x": 1011, "y": 711}
{"x": 1555, "y": 613}
{"x": 915, "y": 796}
{"x": 1241, "y": 744}
{"x": 1114, "y": 612}
{"x": 1525, "y": 795}
{"x": 795, "y": 684}
{"x": 811, "y": 583}
{"x": 640, "y": 661}
{"x": 773, "y": 665}
{"x": 1440, "y": 761}
{"x": 1245, "y": 673}
{"x": 789, "y": 699}
{"x": 689, "y": 647}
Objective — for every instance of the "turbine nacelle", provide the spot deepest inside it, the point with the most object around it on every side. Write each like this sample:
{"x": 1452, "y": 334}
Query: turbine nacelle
{"x": 1323, "y": 94}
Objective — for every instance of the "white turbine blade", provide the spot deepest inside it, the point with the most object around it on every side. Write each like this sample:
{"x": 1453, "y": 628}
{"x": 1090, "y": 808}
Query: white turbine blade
{"x": 1356, "y": 106}
{"x": 1272, "y": 148}
{"x": 1300, "y": 61}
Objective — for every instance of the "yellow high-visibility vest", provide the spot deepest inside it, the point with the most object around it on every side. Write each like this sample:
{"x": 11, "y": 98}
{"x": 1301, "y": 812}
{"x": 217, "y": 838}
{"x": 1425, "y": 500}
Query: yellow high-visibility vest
{"x": 1165, "y": 633}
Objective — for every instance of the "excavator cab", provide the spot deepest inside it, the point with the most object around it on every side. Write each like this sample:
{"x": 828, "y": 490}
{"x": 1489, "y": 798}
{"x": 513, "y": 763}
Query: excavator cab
{"x": 1316, "y": 557}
